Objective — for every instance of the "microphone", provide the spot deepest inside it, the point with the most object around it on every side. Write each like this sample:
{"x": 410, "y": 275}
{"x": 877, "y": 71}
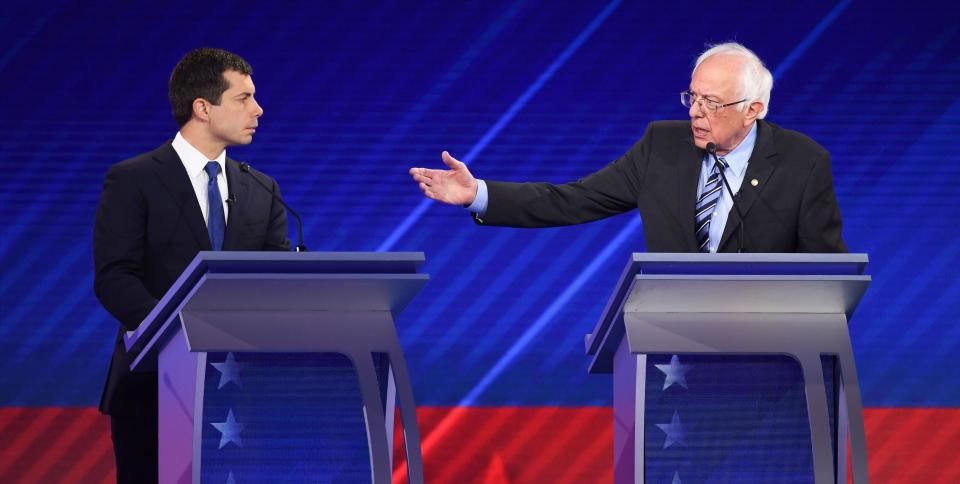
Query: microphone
{"x": 712, "y": 149}
{"x": 245, "y": 167}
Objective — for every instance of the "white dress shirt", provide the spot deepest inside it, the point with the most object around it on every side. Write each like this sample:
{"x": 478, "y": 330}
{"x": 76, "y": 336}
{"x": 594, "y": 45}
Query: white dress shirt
{"x": 194, "y": 161}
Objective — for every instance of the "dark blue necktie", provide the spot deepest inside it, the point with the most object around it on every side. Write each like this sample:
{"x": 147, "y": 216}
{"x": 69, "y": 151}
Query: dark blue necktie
{"x": 216, "y": 222}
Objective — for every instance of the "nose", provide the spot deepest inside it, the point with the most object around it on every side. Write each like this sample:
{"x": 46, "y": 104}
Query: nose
{"x": 258, "y": 110}
{"x": 695, "y": 110}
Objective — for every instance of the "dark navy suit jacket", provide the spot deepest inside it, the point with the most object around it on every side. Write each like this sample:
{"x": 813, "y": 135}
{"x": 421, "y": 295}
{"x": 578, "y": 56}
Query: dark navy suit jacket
{"x": 148, "y": 228}
{"x": 791, "y": 206}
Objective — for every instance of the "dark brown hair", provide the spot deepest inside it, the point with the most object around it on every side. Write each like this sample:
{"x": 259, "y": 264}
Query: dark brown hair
{"x": 200, "y": 75}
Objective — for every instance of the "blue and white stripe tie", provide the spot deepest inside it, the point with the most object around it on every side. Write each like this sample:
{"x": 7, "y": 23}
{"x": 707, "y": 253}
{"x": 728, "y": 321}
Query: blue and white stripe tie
{"x": 706, "y": 206}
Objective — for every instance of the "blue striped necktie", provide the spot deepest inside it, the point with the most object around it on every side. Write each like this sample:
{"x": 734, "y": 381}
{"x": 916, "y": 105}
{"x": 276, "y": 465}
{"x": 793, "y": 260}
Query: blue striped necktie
{"x": 216, "y": 222}
{"x": 706, "y": 206}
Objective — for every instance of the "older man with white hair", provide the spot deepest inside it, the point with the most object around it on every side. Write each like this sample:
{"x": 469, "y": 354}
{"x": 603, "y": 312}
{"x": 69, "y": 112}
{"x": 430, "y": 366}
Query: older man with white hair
{"x": 684, "y": 176}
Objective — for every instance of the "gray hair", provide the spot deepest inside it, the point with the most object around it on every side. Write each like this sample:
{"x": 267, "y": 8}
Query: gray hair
{"x": 755, "y": 79}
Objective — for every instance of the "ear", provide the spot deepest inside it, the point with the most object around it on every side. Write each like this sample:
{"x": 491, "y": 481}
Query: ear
{"x": 201, "y": 109}
{"x": 753, "y": 110}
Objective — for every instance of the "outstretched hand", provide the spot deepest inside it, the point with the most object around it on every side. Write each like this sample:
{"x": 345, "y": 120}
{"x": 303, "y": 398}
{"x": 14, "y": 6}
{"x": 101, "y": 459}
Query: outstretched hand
{"x": 455, "y": 186}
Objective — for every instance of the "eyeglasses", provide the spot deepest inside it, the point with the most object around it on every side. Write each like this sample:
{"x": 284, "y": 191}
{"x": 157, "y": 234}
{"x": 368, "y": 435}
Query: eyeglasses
{"x": 689, "y": 98}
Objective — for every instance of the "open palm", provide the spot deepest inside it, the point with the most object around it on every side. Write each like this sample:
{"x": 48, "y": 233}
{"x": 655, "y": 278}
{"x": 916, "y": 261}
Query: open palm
{"x": 455, "y": 186}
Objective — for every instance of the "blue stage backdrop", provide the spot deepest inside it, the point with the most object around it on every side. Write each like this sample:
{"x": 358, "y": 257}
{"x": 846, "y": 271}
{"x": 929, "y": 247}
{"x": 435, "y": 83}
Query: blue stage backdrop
{"x": 355, "y": 93}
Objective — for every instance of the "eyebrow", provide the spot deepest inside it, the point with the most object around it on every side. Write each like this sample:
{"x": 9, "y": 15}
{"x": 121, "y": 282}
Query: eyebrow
{"x": 702, "y": 94}
{"x": 709, "y": 97}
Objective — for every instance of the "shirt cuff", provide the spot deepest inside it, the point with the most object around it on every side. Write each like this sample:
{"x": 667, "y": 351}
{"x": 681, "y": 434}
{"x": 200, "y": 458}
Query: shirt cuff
{"x": 479, "y": 205}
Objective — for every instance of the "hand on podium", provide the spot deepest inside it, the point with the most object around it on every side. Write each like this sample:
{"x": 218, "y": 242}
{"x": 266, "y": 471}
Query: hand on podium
{"x": 455, "y": 186}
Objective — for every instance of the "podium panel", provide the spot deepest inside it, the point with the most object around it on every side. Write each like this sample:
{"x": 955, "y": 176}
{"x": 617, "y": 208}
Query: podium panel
{"x": 693, "y": 339}
{"x": 287, "y": 417}
{"x": 282, "y": 367}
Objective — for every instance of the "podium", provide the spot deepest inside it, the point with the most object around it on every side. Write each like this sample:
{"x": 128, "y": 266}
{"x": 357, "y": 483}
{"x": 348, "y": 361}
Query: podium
{"x": 796, "y": 305}
{"x": 248, "y": 347}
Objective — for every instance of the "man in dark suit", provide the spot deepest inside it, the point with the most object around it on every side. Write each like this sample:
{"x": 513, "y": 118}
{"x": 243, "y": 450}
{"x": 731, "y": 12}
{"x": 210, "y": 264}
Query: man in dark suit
{"x": 158, "y": 209}
{"x": 781, "y": 179}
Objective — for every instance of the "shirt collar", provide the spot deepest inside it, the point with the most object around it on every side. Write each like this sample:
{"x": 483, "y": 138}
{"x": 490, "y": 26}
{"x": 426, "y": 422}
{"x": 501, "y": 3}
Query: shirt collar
{"x": 193, "y": 160}
{"x": 738, "y": 158}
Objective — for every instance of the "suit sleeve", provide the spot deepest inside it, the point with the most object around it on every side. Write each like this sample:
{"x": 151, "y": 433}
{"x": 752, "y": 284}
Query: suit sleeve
{"x": 611, "y": 191}
{"x": 820, "y": 226}
{"x": 119, "y": 236}
{"x": 277, "y": 238}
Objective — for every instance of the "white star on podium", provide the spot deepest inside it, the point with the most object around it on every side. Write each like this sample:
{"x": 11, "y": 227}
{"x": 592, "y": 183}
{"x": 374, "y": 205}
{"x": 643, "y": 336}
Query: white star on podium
{"x": 676, "y": 478}
{"x": 229, "y": 371}
{"x": 230, "y": 479}
{"x": 229, "y": 430}
{"x": 675, "y": 372}
{"x": 674, "y": 431}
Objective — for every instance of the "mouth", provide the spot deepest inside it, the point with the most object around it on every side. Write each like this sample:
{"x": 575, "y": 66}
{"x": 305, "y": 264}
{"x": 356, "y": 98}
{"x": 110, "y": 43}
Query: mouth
{"x": 700, "y": 132}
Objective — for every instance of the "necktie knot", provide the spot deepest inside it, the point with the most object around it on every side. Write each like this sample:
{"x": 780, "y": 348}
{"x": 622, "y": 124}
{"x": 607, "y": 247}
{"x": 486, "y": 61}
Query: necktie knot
{"x": 212, "y": 169}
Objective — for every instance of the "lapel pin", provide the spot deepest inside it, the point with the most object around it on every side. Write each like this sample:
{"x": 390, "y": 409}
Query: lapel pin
{"x": 754, "y": 182}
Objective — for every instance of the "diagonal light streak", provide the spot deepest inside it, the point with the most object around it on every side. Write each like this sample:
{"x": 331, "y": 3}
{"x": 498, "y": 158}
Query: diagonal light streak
{"x": 807, "y": 41}
{"x": 558, "y": 304}
{"x": 505, "y": 119}
{"x": 521, "y": 343}
{"x": 537, "y": 327}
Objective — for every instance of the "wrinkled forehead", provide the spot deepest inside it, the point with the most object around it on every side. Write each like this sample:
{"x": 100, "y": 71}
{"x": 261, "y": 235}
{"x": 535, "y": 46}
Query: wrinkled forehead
{"x": 718, "y": 75}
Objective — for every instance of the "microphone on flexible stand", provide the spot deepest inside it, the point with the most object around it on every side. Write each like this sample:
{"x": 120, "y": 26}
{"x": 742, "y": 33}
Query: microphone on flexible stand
{"x": 712, "y": 149}
{"x": 245, "y": 167}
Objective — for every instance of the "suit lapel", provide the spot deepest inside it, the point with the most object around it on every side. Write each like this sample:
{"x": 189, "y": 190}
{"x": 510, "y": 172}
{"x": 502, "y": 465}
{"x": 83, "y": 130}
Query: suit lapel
{"x": 687, "y": 175}
{"x": 173, "y": 176}
{"x": 239, "y": 187}
{"x": 759, "y": 168}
